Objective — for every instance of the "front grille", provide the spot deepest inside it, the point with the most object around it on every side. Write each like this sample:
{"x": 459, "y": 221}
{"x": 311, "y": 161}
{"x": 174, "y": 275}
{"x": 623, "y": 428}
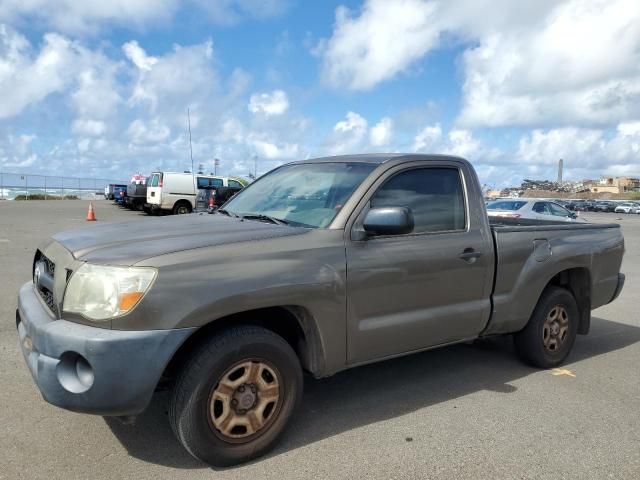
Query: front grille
{"x": 45, "y": 289}
{"x": 47, "y": 296}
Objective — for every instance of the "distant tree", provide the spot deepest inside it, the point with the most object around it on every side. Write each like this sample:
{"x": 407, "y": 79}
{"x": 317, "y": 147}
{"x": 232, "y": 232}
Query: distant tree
{"x": 242, "y": 180}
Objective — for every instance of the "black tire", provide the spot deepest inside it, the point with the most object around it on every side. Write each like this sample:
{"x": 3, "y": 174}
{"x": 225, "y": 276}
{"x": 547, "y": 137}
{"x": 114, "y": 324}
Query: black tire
{"x": 182, "y": 208}
{"x": 193, "y": 394}
{"x": 531, "y": 341}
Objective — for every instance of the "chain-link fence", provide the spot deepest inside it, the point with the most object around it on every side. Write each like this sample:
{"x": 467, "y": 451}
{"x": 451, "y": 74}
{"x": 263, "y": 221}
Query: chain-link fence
{"x": 21, "y": 186}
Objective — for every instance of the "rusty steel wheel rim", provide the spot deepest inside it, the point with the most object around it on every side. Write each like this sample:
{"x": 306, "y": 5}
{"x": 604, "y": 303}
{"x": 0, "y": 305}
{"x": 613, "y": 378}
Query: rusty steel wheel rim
{"x": 556, "y": 328}
{"x": 245, "y": 401}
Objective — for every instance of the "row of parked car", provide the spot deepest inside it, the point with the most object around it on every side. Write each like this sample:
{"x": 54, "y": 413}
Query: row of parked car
{"x": 555, "y": 210}
{"x": 173, "y": 192}
{"x": 601, "y": 206}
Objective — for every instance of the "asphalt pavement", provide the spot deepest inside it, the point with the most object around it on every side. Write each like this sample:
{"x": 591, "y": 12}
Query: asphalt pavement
{"x": 467, "y": 411}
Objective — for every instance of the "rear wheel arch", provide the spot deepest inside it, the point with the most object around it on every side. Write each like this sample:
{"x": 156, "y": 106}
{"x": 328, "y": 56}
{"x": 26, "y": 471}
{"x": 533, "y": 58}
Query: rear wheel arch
{"x": 182, "y": 203}
{"x": 294, "y": 324}
{"x": 578, "y": 282}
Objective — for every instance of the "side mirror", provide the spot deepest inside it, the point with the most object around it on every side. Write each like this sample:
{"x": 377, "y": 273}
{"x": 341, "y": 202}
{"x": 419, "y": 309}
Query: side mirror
{"x": 388, "y": 221}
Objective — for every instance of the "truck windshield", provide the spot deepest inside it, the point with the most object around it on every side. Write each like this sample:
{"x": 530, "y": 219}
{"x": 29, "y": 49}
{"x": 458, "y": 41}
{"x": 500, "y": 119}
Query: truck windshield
{"x": 307, "y": 194}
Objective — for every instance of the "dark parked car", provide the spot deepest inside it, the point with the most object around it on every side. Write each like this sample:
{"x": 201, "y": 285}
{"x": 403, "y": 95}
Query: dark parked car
{"x": 120, "y": 194}
{"x": 109, "y": 190}
{"x": 137, "y": 193}
{"x": 604, "y": 207}
{"x": 584, "y": 206}
{"x": 210, "y": 199}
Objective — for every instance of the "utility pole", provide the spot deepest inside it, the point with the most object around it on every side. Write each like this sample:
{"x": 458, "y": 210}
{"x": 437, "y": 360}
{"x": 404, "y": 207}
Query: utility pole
{"x": 193, "y": 173}
{"x": 255, "y": 166}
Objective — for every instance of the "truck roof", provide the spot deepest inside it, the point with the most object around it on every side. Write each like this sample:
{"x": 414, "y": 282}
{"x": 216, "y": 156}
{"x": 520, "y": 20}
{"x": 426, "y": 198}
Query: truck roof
{"x": 377, "y": 158}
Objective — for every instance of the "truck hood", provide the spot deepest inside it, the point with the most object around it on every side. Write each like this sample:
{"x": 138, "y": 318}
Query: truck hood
{"x": 130, "y": 242}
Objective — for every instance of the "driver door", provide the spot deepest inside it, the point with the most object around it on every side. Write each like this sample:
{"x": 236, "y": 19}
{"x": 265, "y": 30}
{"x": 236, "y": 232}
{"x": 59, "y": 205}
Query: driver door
{"x": 412, "y": 291}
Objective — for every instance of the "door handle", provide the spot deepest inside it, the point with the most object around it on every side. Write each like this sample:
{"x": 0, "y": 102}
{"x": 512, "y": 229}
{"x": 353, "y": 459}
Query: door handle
{"x": 470, "y": 255}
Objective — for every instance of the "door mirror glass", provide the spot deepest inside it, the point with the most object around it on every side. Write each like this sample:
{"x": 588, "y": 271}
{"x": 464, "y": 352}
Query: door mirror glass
{"x": 388, "y": 221}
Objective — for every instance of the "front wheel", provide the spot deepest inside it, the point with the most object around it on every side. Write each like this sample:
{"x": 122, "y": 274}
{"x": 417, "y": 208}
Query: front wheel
{"x": 549, "y": 336}
{"x": 235, "y": 396}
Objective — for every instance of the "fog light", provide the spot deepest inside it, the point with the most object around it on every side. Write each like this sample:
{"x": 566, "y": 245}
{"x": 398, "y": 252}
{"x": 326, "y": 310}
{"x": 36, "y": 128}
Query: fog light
{"x": 74, "y": 372}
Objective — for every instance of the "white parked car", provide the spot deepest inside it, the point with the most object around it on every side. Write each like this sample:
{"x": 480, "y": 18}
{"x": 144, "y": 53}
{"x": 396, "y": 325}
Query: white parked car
{"x": 627, "y": 208}
{"x": 176, "y": 192}
{"x": 531, "y": 209}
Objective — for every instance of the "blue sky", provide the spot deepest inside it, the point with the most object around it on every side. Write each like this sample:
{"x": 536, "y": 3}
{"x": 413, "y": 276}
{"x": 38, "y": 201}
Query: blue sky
{"x": 92, "y": 88}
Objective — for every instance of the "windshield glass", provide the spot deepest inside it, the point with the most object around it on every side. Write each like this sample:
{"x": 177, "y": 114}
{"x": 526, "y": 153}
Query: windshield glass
{"x": 506, "y": 205}
{"x": 308, "y": 195}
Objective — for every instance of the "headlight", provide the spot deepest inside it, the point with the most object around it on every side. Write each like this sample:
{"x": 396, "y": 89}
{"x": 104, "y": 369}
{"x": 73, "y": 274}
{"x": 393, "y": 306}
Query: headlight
{"x": 101, "y": 293}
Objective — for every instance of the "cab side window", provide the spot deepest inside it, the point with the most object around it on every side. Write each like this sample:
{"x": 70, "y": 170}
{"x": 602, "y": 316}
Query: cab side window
{"x": 434, "y": 195}
{"x": 233, "y": 183}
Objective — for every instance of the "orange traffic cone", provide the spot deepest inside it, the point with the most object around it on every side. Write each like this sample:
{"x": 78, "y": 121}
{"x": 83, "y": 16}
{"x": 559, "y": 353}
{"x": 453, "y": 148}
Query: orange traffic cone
{"x": 91, "y": 216}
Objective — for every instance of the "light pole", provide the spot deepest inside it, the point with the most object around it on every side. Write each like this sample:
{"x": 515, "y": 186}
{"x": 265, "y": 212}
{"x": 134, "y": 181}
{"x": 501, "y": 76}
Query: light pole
{"x": 216, "y": 164}
{"x": 255, "y": 166}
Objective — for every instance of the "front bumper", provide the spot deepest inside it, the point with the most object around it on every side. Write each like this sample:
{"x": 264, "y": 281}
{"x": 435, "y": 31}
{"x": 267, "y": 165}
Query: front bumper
{"x": 88, "y": 369}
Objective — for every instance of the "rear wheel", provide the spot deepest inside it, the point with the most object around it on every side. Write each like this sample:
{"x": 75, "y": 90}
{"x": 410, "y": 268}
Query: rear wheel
{"x": 549, "y": 336}
{"x": 181, "y": 208}
{"x": 235, "y": 396}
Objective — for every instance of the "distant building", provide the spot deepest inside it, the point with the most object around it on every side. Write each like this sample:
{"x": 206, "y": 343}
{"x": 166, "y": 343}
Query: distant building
{"x": 614, "y": 185}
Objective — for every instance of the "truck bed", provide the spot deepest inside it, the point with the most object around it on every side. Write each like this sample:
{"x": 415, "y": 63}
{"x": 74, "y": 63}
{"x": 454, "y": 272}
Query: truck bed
{"x": 530, "y": 252}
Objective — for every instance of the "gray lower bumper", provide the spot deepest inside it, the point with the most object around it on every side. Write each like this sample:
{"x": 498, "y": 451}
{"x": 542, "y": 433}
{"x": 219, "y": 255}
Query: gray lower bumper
{"x": 621, "y": 279}
{"x": 89, "y": 369}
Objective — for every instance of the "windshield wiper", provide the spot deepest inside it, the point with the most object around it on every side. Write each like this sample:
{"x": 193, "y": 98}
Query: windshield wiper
{"x": 259, "y": 216}
{"x": 227, "y": 213}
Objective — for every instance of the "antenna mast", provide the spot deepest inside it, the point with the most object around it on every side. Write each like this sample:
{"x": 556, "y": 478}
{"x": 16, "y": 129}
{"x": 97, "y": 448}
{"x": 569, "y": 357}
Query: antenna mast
{"x": 193, "y": 172}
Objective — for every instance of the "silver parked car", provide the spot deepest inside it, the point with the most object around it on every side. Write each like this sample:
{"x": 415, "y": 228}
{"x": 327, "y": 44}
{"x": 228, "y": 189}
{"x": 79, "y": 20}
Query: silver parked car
{"x": 532, "y": 209}
{"x": 627, "y": 207}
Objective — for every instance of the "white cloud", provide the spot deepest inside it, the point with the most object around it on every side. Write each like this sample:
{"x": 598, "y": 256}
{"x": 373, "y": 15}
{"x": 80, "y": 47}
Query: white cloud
{"x": 27, "y": 78}
{"x": 348, "y": 134}
{"x": 581, "y": 67}
{"x": 462, "y": 143}
{"x": 273, "y": 103}
{"x": 543, "y": 63}
{"x": 583, "y": 149}
{"x": 89, "y": 127}
{"x": 138, "y": 56}
{"x": 427, "y": 139}
{"x": 87, "y": 15}
{"x": 268, "y": 149}
{"x": 16, "y": 152}
{"x": 381, "y": 133}
{"x": 152, "y": 132}
{"x": 379, "y": 43}
{"x": 182, "y": 78}
{"x": 232, "y": 11}
{"x": 457, "y": 142}
{"x": 629, "y": 129}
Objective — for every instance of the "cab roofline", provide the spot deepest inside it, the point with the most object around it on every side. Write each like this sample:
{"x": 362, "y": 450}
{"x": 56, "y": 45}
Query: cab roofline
{"x": 376, "y": 158}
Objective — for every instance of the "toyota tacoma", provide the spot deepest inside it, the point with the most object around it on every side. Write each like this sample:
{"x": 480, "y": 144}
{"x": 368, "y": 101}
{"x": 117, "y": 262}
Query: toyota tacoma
{"x": 316, "y": 267}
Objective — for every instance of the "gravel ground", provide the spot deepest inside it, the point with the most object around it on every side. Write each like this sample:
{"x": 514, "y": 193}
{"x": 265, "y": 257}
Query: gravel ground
{"x": 468, "y": 411}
